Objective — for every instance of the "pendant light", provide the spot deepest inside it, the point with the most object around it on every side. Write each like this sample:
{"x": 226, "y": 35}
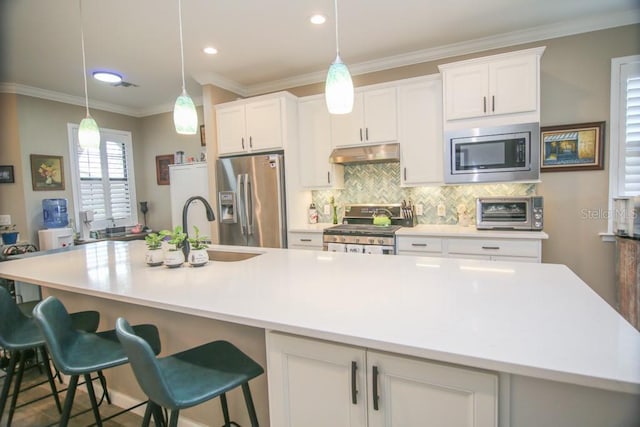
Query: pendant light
{"x": 185, "y": 117}
{"x": 88, "y": 132}
{"x": 338, "y": 90}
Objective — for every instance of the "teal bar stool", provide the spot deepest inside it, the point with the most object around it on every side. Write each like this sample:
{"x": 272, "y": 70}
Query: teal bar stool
{"x": 79, "y": 353}
{"x": 19, "y": 335}
{"x": 190, "y": 377}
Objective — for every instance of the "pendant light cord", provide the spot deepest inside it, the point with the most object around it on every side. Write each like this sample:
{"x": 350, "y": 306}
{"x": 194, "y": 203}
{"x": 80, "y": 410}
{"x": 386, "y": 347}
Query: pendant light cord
{"x": 181, "y": 42}
{"x": 336, "y": 14}
{"x": 84, "y": 62}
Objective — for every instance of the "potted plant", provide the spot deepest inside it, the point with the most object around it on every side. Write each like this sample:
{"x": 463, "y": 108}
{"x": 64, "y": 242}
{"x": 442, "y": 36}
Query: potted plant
{"x": 155, "y": 255}
{"x": 174, "y": 256}
{"x": 9, "y": 234}
{"x": 198, "y": 255}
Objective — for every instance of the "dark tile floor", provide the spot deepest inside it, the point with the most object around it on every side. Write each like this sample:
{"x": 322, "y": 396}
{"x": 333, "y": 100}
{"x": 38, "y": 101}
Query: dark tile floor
{"x": 44, "y": 413}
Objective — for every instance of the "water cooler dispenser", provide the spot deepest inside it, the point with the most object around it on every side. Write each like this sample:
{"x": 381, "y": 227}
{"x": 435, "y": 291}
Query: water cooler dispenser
{"x": 57, "y": 234}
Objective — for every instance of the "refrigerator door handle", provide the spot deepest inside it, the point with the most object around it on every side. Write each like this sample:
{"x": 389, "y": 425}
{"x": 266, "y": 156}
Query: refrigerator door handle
{"x": 240, "y": 202}
{"x": 248, "y": 204}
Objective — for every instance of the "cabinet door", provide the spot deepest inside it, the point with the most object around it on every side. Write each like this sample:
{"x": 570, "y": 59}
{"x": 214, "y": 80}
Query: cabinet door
{"x": 310, "y": 383}
{"x": 380, "y": 115}
{"x": 412, "y": 393}
{"x": 314, "y": 127}
{"x": 465, "y": 90}
{"x": 231, "y": 130}
{"x": 264, "y": 125}
{"x": 347, "y": 129}
{"x": 513, "y": 85}
{"x": 308, "y": 241}
{"x": 420, "y": 133}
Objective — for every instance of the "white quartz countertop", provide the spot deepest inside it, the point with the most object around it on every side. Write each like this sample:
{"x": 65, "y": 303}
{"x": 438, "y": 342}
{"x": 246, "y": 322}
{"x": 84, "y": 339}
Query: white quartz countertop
{"x": 538, "y": 320}
{"x": 470, "y": 231}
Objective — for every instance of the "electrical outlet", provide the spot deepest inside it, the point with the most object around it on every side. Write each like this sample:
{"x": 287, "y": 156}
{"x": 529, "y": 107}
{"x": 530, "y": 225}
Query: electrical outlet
{"x": 5, "y": 219}
{"x": 419, "y": 209}
{"x": 442, "y": 210}
{"x": 327, "y": 210}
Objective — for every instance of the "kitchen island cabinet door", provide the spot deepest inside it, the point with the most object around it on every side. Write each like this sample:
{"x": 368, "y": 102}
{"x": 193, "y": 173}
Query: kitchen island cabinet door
{"x": 412, "y": 393}
{"x": 420, "y": 132}
{"x": 311, "y": 383}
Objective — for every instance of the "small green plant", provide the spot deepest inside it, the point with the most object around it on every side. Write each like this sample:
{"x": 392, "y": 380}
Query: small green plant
{"x": 198, "y": 241}
{"x": 154, "y": 240}
{"x": 176, "y": 237}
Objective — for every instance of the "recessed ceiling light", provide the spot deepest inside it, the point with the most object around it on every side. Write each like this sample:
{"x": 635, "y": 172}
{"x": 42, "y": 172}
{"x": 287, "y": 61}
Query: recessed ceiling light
{"x": 107, "y": 76}
{"x": 318, "y": 19}
{"x": 210, "y": 50}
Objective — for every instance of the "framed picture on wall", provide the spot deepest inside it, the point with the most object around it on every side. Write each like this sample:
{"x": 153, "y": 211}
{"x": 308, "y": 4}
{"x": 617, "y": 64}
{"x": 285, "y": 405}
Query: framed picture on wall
{"x": 47, "y": 172}
{"x": 572, "y": 147}
{"x": 6, "y": 174}
{"x": 162, "y": 168}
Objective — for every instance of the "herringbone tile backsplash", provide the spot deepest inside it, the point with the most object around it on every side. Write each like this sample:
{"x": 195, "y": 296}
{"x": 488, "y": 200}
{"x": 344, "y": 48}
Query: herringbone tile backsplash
{"x": 380, "y": 183}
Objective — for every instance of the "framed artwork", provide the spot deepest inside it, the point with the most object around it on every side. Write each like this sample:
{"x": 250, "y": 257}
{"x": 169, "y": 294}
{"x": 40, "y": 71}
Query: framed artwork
{"x": 162, "y": 168}
{"x": 572, "y": 147}
{"x": 203, "y": 140}
{"x": 6, "y": 175}
{"x": 47, "y": 172}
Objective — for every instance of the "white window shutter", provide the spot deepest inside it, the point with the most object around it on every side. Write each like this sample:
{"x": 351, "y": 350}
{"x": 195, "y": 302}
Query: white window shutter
{"x": 631, "y": 150}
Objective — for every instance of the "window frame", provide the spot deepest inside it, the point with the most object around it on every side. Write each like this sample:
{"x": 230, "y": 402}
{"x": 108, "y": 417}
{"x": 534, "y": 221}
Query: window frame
{"x": 615, "y": 133}
{"x": 72, "y": 132}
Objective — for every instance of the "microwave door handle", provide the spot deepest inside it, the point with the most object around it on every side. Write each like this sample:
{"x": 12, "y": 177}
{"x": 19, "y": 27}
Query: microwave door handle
{"x": 248, "y": 204}
{"x": 240, "y": 201}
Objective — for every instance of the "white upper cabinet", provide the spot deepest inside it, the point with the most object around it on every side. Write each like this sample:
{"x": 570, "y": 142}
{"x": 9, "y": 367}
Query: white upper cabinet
{"x": 314, "y": 130}
{"x": 372, "y": 121}
{"x": 420, "y": 130}
{"x": 505, "y": 84}
{"x": 252, "y": 125}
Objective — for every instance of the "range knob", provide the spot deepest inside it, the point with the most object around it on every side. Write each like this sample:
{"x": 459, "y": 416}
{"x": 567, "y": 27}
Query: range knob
{"x": 538, "y": 216}
{"x": 538, "y": 224}
{"x": 371, "y": 241}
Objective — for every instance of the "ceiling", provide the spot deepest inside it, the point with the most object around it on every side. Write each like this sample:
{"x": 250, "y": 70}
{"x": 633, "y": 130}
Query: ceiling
{"x": 263, "y": 45}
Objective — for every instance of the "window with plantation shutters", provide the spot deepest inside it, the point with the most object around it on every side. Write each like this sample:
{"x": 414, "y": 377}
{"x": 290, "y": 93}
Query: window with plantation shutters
{"x": 103, "y": 179}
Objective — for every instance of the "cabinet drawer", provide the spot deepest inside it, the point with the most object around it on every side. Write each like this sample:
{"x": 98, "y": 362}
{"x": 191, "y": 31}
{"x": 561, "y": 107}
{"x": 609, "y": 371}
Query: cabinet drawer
{"x": 419, "y": 244}
{"x": 505, "y": 247}
{"x": 313, "y": 240}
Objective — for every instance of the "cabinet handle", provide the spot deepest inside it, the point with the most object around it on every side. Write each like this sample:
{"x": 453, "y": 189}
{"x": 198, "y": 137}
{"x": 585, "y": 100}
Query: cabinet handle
{"x": 250, "y": 142}
{"x": 360, "y": 134}
{"x": 493, "y": 103}
{"x": 242, "y": 139}
{"x": 305, "y": 240}
{"x": 328, "y": 177}
{"x": 366, "y": 133}
{"x": 354, "y": 391}
{"x": 375, "y": 388}
{"x": 495, "y": 248}
{"x": 419, "y": 244}
{"x": 405, "y": 174}
{"x": 484, "y": 103}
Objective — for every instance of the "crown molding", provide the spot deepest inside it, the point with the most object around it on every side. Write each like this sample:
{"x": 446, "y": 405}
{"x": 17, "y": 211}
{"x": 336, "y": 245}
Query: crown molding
{"x": 206, "y": 78}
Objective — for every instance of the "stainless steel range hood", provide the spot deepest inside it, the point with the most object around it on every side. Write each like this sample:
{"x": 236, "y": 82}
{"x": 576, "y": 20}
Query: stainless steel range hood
{"x": 382, "y": 153}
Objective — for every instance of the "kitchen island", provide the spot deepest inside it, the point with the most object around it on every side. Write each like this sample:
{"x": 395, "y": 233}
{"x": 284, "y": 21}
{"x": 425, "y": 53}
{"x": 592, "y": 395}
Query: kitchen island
{"x": 564, "y": 356}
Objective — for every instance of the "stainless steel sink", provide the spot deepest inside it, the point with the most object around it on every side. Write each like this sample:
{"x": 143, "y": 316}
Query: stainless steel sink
{"x": 228, "y": 256}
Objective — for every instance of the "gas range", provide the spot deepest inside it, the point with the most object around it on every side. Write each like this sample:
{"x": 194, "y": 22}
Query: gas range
{"x": 358, "y": 234}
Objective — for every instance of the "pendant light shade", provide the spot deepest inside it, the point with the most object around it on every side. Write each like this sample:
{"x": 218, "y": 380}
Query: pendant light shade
{"x": 88, "y": 132}
{"x": 185, "y": 117}
{"x": 338, "y": 89}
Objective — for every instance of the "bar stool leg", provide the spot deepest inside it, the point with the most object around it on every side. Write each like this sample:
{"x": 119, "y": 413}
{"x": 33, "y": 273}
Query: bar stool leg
{"x": 103, "y": 384}
{"x": 68, "y": 402}
{"x": 250, "y": 408}
{"x": 7, "y": 381}
{"x": 92, "y": 397}
{"x": 16, "y": 387}
{"x": 147, "y": 414}
{"x": 225, "y": 410}
{"x": 173, "y": 421}
{"x": 50, "y": 378}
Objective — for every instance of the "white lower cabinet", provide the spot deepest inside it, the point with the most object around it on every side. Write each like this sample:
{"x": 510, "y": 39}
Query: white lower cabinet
{"x": 316, "y": 383}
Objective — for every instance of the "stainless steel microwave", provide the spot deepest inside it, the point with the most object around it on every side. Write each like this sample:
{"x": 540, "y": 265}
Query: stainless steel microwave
{"x": 496, "y": 154}
{"x": 510, "y": 213}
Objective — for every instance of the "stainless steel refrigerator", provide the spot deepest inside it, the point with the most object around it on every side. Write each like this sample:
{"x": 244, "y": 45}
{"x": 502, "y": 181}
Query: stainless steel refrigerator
{"x": 251, "y": 201}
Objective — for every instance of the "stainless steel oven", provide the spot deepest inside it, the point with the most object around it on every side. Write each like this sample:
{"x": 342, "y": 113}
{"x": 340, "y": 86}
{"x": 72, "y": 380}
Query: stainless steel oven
{"x": 510, "y": 213}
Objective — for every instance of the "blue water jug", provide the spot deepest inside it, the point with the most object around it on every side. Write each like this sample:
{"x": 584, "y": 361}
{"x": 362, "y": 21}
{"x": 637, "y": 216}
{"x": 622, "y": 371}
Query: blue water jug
{"x": 54, "y": 212}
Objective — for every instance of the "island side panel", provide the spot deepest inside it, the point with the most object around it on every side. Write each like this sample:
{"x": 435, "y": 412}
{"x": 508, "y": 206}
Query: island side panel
{"x": 179, "y": 332}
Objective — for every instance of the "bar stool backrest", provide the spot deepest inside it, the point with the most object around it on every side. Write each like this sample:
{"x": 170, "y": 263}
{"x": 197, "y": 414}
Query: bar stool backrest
{"x": 145, "y": 366}
{"x": 10, "y": 317}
